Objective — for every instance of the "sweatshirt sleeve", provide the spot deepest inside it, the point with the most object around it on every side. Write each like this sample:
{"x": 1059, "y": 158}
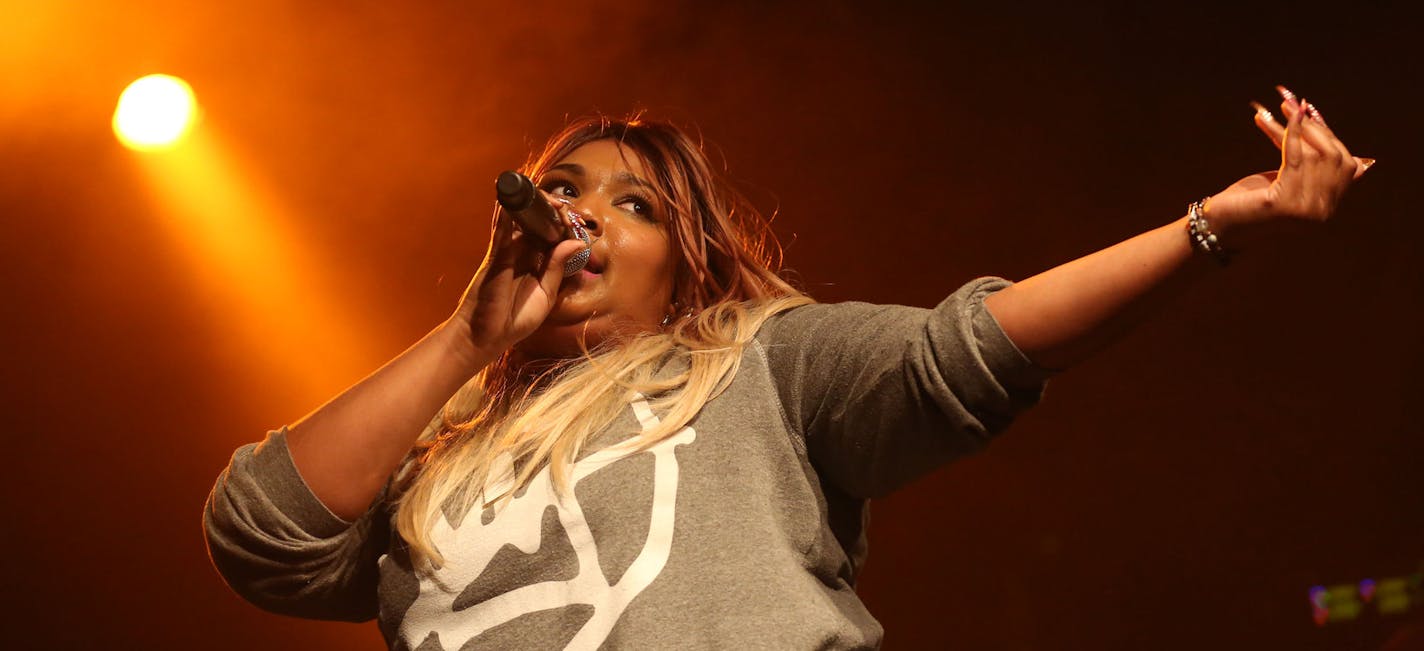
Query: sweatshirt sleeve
{"x": 280, "y": 548}
{"x": 883, "y": 393}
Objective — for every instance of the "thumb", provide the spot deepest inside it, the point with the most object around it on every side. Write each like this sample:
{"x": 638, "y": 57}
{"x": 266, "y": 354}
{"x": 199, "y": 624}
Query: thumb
{"x": 553, "y": 273}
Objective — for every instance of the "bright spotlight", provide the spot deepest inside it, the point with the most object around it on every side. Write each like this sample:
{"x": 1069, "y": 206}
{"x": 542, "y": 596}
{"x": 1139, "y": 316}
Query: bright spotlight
{"x": 155, "y": 112}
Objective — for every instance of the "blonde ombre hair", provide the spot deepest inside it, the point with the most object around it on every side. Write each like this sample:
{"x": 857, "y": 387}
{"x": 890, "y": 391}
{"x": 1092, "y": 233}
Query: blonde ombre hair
{"x": 517, "y": 417}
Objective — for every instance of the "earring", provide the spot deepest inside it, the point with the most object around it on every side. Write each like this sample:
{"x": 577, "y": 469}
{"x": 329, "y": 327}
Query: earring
{"x": 668, "y": 318}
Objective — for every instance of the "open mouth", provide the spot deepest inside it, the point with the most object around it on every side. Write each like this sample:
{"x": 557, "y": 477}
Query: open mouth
{"x": 594, "y": 266}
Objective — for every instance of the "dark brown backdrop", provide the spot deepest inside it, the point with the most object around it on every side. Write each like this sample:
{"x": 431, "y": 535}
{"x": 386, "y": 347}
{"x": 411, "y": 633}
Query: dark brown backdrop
{"x": 1184, "y": 490}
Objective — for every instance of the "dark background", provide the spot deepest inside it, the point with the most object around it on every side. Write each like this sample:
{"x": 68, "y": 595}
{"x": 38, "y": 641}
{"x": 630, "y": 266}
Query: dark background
{"x": 1182, "y": 490}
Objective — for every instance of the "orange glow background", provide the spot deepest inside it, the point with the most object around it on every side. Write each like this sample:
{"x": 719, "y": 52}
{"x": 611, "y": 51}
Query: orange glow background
{"x": 1182, "y": 491}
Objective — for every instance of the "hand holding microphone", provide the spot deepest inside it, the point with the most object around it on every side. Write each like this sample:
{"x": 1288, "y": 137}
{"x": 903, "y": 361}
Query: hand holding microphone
{"x": 536, "y": 218}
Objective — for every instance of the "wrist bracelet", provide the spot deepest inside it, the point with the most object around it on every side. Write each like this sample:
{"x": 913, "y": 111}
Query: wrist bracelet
{"x": 1202, "y": 237}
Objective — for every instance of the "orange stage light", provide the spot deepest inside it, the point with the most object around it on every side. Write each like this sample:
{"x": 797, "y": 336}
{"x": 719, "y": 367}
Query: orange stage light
{"x": 155, "y": 112}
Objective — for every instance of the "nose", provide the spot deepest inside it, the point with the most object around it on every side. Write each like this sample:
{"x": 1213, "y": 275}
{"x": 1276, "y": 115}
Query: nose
{"x": 591, "y": 222}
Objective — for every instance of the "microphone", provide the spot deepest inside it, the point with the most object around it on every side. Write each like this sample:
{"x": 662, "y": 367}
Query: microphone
{"x": 535, "y": 217}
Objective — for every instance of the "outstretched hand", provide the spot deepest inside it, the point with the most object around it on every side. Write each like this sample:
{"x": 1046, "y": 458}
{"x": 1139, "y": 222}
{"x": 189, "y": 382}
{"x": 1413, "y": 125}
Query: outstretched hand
{"x": 1316, "y": 169}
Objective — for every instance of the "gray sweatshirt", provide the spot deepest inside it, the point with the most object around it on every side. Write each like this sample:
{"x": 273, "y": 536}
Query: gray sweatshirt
{"x": 745, "y": 529}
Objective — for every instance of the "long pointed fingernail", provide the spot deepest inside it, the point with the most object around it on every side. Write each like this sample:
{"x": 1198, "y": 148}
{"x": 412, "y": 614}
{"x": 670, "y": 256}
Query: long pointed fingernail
{"x": 1367, "y": 163}
{"x": 1286, "y": 94}
{"x": 1263, "y": 112}
{"x": 1313, "y": 112}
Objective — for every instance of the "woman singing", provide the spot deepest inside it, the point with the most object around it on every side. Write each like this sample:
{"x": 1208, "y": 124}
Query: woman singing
{"x": 673, "y": 447}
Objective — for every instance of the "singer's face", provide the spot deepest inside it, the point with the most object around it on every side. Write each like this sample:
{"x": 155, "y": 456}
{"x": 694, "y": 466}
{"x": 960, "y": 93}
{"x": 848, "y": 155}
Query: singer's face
{"x": 627, "y": 285}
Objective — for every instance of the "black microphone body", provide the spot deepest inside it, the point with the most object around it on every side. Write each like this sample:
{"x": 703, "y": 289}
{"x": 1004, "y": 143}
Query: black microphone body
{"x": 536, "y": 218}
{"x": 527, "y": 207}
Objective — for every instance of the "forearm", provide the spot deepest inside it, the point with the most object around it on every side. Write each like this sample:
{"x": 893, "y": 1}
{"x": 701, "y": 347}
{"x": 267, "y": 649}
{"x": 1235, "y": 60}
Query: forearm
{"x": 1061, "y": 316}
{"x": 347, "y": 449}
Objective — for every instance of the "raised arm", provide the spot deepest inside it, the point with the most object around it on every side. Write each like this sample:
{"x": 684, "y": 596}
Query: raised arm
{"x": 347, "y": 449}
{"x": 1063, "y": 315}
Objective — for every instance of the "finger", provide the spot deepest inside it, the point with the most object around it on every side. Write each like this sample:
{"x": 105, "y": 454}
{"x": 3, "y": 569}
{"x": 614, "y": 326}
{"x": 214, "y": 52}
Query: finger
{"x": 501, "y": 226}
{"x": 561, "y": 206}
{"x": 1363, "y": 165}
{"x": 554, "y": 199}
{"x": 528, "y": 253}
{"x": 501, "y": 235}
{"x": 1314, "y": 113}
{"x": 553, "y": 272}
{"x": 1319, "y": 139}
{"x": 1289, "y": 109}
{"x": 1289, "y": 102}
{"x": 1293, "y": 148}
{"x": 1267, "y": 124}
{"x": 1348, "y": 162}
{"x": 1354, "y": 164}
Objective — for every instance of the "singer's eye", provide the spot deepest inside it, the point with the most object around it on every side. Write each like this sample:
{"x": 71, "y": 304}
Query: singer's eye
{"x": 559, "y": 188}
{"x": 637, "y": 206}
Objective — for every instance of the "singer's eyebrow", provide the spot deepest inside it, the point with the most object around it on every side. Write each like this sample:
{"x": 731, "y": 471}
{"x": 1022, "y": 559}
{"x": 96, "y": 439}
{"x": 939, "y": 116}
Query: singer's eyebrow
{"x": 621, "y": 177}
{"x": 572, "y": 168}
{"x": 632, "y": 179}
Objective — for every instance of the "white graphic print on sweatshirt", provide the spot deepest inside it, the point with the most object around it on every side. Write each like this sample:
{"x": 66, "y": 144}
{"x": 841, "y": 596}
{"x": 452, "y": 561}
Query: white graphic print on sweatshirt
{"x": 469, "y": 548}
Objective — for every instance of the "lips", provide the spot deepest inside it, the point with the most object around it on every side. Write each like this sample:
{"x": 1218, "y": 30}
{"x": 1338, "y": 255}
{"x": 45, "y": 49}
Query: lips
{"x": 594, "y": 266}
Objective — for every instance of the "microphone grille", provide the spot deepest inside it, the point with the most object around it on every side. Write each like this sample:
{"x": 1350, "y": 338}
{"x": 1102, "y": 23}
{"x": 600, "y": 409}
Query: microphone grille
{"x": 576, "y": 263}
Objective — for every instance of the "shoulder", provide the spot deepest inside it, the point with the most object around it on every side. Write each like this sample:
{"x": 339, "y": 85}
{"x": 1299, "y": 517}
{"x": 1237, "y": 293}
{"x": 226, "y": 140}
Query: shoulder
{"x": 796, "y": 322}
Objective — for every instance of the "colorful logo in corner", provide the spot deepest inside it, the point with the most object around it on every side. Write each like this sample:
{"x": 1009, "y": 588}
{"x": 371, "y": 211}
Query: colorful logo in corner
{"x": 1345, "y": 602}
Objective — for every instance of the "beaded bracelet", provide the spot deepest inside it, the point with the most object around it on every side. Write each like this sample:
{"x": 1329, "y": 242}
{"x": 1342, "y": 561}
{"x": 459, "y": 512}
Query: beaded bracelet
{"x": 1201, "y": 235}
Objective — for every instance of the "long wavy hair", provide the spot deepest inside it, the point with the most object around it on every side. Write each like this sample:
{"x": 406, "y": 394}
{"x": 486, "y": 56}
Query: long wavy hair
{"x": 509, "y": 422}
